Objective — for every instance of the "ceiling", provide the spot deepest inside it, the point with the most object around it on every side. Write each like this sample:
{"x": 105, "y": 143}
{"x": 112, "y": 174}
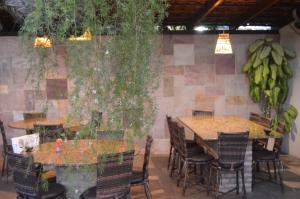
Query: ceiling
{"x": 187, "y": 13}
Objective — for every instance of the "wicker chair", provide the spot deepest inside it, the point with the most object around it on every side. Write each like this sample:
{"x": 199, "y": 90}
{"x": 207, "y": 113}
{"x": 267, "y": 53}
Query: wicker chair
{"x": 202, "y": 113}
{"x": 110, "y": 135}
{"x": 270, "y": 157}
{"x": 27, "y": 179}
{"x": 113, "y": 177}
{"x": 172, "y": 151}
{"x": 141, "y": 177}
{"x": 33, "y": 115}
{"x": 195, "y": 157}
{"x": 5, "y": 149}
{"x": 48, "y": 133}
{"x": 231, "y": 151}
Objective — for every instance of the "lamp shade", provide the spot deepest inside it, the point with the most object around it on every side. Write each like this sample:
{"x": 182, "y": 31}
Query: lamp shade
{"x": 86, "y": 36}
{"x": 223, "y": 45}
{"x": 42, "y": 42}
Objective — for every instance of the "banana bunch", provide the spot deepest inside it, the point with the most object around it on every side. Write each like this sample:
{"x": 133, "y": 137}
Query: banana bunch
{"x": 268, "y": 71}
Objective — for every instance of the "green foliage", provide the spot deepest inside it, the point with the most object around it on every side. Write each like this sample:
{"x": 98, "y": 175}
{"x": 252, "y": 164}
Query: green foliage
{"x": 269, "y": 72}
{"x": 116, "y": 71}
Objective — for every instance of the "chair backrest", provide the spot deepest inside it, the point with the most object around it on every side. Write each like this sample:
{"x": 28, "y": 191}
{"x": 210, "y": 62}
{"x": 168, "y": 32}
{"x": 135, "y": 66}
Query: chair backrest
{"x": 180, "y": 140}
{"x": 25, "y": 174}
{"x": 147, "y": 156}
{"x": 3, "y": 134}
{"x": 34, "y": 115}
{"x": 111, "y": 135}
{"x": 169, "y": 123}
{"x": 48, "y": 133}
{"x": 202, "y": 113}
{"x": 232, "y": 148}
{"x": 260, "y": 119}
{"x": 113, "y": 175}
{"x": 96, "y": 118}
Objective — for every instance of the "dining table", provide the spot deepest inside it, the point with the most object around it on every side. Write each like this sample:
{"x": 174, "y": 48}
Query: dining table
{"x": 76, "y": 161}
{"x": 206, "y": 129}
{"x": 72, "y": 124}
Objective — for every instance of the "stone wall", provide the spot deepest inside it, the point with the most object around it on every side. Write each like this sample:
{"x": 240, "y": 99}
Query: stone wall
{"x": 193, "y": 78}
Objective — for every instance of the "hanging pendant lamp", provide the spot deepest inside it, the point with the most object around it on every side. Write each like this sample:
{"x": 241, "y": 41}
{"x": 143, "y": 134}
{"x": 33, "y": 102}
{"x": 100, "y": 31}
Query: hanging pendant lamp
{"x": 223, "y": 45}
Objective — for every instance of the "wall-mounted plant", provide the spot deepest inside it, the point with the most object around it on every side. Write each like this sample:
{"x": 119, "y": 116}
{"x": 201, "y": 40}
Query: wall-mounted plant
{"x": 114, "y": 71}
{"x": 269, "y": 72}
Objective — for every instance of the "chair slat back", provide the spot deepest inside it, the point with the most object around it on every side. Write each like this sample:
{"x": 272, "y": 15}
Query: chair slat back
{"x": 170, "y": 127}
{"x": 48, "y": 133}
{"x": 113, "y": 175}
{"x": 34, "y": 115}
{"x": 232, "y": 147}
{"x": 181, "y": 141}
{"x": 202, "y": 113}
{"x": 4, "y": 139}
{"x": 147, "y": 156}
{"x": 25, "y": 174}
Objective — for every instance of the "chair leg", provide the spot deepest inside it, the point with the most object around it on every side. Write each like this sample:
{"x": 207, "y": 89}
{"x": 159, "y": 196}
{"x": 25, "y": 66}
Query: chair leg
{"x": 218, "y": 183}
{"x": 147, "y": 190}
{"x": 280, "y": 178}
{"x": 237, "y": 183}
{"x": 170, "y": 156}
{"x": 180, "y": 166}
{"x": 243, "y": 182}
{"x": 3, "y": 166}
{"x": 173, "y": 163}
{"x": 186, "y": 166}
{"x": 209, "y": 181}
{"x": 275, "y": 172}
{"x": 7, "y": 169}
{"x": 268, "y": 167}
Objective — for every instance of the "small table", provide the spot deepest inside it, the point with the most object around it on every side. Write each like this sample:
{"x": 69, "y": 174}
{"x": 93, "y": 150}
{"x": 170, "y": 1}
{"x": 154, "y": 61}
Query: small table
{"x": 73, "y": 125}
{"x": 206, "y": 131}
{"x": 76, "y": 163}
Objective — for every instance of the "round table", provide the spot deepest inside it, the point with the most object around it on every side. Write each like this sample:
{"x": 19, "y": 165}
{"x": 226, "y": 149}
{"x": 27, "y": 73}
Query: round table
{"x": 75, "y": 164}
{"x": 72, "y": 125}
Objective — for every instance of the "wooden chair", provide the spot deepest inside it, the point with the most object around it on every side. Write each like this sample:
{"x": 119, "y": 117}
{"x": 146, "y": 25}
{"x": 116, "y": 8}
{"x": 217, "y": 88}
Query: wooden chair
{"x": 141, "y": 177}
{"x": 33, "y": 115}
{"x": 113, "y": 177}
{"x": 231, "y": 151}
{"x": 27, "y": 179}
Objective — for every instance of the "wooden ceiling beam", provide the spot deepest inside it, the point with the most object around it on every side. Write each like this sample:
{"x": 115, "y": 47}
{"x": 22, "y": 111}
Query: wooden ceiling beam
{"x": 205, "y": 11}
{"x": 253, "y": 12}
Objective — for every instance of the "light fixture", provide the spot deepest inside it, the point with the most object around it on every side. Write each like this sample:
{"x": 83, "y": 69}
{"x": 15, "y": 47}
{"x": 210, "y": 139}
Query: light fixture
{"x": 42, "y": 42}
{"x": 223, "y": 45}
{"x": 86, "y": 36}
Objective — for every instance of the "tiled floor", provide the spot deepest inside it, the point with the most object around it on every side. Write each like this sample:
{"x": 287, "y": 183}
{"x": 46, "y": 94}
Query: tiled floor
{"x": 164, "y": 187}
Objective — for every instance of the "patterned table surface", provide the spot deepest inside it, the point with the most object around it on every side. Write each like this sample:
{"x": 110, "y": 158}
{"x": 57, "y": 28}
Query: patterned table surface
{"x": 208, "y": 127}
{"x": 28, "y": 124}
{"x": 78, "y": 152}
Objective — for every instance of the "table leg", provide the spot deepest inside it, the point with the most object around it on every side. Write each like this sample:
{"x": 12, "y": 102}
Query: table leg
{"x": 76, "y": 179}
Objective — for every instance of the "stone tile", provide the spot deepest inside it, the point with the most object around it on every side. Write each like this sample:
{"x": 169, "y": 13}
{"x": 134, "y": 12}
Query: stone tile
{"x": 204, "y": 102}
{"x": 29, "y": 100}
{"x": 57, "y": 89}
{"x": 236, "y": 100}
{"x": 3, "y": 89}
{"x": 173, "y": 70}
{"x": 214, "y": 91}
{"x": 20, "y": 62}
{"x": 6, "y": 70}
{"x": 183, "y": 39}
{"x": 168, "y": 86}
{"x": 168, "y": 60}
{"x": 219, "y": 105}
{"x": 199, "y": 74}
{"x": 19, "y": 76}
{"x": 225, "y": 64}
{"x": 184, "y": 54}
{"x": 236, "y": 85}
{"x": 168, "y": 45}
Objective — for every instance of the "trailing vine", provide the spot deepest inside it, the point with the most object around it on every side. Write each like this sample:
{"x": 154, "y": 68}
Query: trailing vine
{"x": 269, "y": 72}
{"x": 116, "y": 71}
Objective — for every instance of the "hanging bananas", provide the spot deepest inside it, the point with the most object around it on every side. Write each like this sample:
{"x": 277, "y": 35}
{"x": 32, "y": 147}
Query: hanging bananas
{"x": 268, "y": 71}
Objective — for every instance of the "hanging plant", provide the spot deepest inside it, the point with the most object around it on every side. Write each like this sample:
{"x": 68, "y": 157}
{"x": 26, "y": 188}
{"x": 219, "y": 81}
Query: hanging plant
{"x": 115, "y": 70}
{"x": 269, "y": 72}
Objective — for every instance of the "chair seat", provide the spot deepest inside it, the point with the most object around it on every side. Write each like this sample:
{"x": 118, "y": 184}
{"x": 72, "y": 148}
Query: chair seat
{"x": 54, "y": 190}
{"x": 199, "y": 158}
{"x": 264, "y": 155}
{"x": 89, "y": 193}
{"x": 226, "y": 166}
{"x": 137, "y": 177}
